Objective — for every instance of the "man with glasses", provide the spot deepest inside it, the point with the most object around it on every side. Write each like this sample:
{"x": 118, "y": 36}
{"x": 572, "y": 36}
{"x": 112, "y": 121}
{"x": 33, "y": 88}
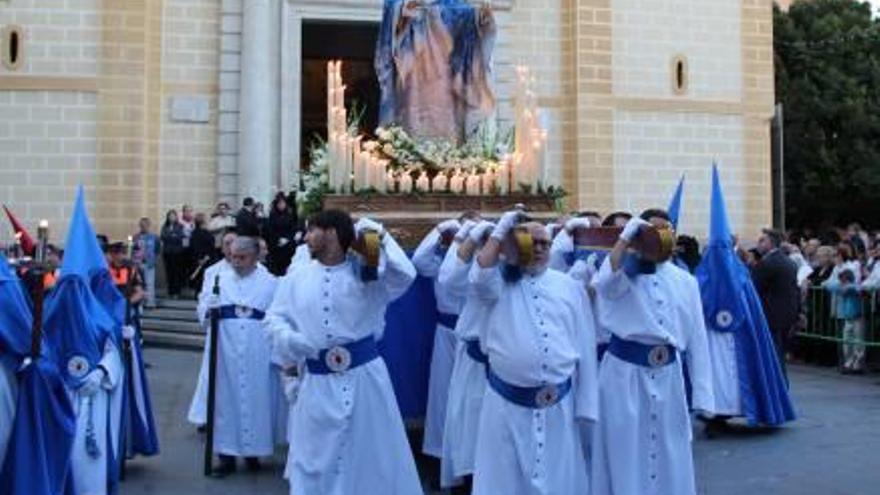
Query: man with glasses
{"x": 541, "y": 351}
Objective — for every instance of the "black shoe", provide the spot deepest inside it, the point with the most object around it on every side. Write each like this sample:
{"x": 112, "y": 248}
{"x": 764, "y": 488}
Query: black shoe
{"x": 225, "y": 468}
{"x": 715, "y": 427}
{"x": 202, "y": 429}
{"x": 253, "y": 464}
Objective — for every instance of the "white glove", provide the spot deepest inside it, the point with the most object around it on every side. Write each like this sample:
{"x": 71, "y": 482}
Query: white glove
{"x": 578, "y": 223}
{"x": 465, "y": 229}
{"x": 283, "y": 241}
{"x": 297, "y": 237}
{"x": 632, "y": 228}
{"x": 365, "y": 224}
{"x": 480, "y": 230}
{"x": 91, "y": 384}
{"x": 448, "y": 225}
{"x": 583, "y": 270}
{"x": 505, "y": 224}
{"x": 213, "y": 302}
{"x": 290, "y": 385}
{"x": 128, "y": 332}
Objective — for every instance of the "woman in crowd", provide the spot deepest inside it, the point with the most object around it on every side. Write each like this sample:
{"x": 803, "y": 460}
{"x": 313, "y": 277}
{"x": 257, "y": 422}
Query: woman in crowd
{"x": 173, "y": 254}
{"x": 279, "y": 233}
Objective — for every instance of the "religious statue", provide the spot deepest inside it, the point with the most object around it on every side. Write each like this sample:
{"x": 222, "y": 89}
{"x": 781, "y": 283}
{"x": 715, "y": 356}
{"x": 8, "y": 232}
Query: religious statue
{"x": 434, "y": 64}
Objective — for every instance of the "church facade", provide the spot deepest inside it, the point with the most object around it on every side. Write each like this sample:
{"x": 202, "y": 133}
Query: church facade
{"x": 155, "y": 103}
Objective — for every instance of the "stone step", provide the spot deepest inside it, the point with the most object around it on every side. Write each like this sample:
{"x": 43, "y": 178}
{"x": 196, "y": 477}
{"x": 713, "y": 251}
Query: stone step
{"x": 191, "y": 327}
{"x": 171, "y": 340}
{"x": 177, "y": 303}
{"x": 176, "y": 314}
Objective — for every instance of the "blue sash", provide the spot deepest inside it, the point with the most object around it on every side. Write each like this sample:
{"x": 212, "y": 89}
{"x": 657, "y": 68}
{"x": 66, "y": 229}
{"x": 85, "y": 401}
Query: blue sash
{"x": 531, "y": 397}
{"x": 447, "y": 320}
{"x": 474, "y": 351}
{"x": 342, "y": 358}
{"x": 649, "y": 356}
{"x": 233, "y": 312}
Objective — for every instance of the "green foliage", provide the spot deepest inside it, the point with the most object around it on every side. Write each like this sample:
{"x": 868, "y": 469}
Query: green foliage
{"x": 827, "y": 57}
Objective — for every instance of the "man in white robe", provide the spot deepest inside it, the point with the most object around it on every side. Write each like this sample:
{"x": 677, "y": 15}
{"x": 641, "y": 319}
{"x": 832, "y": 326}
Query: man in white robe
{"x": 198, "y": 406}
{"x": 346, "y": 432}
{"x": 468, "y": 381}
{"x": 427, "y": 259}
{"x": 244, "y": 416}
{"x": 542, "y": 378}
{"x": 655, "y": 315}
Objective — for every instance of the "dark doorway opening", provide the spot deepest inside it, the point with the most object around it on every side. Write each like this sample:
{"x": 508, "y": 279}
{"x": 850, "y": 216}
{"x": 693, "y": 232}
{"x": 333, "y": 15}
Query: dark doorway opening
{"x": 354, "y": 43}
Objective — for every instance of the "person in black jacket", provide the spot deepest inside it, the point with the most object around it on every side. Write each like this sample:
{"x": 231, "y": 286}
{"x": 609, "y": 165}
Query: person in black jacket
{"x": 203, "y": 251}
{"x": 246, "y": 221}
{"x": 279, "y": 234}
{"x": 775, "y": 277}
{"x": 173, "y": 253}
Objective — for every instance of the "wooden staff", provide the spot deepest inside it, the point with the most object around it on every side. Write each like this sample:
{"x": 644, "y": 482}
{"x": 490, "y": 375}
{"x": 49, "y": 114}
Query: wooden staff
{"x": 212, "y": 378}
{"x": 127, "y": 356}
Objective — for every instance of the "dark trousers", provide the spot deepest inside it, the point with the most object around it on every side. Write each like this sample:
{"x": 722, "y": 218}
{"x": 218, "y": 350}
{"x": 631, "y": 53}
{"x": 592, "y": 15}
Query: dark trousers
{"x": 175, "y": 272}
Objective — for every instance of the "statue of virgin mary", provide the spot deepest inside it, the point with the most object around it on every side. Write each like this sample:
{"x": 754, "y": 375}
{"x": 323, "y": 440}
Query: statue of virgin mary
{"x": 434, "y": 64}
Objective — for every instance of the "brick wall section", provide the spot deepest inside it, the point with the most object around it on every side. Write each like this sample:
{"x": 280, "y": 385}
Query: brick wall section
{"x": 60, "y": 39}
{"x": 190, "y": 58}
{"x": 758, "y": 98}
{"x": 47, "y": 145}
{"x": 227, "y": 115}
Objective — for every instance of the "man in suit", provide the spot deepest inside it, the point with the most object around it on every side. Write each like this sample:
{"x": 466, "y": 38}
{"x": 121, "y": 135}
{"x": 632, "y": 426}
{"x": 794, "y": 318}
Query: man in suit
{"x": 775, "y": 278}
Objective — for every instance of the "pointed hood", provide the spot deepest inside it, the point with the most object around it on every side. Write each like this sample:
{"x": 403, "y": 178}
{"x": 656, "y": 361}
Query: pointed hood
{"x": 731, "y": 305}
{"x": 15, "y": 314}
{"x": 82, "y": 253}
{"x": 674, "y": 209}
{"x": 27, "y": 242}
{"x": 719, "y": 226}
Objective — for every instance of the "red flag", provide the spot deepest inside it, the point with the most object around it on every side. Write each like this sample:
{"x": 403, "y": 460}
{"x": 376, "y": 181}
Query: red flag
{"x": 27, "y": 242}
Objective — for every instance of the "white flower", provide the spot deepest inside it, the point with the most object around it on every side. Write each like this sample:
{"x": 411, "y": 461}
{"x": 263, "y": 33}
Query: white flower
{"x": 388, "y": 149}
{"x": 371, "y": 146}
{"x": 383, "y": 134}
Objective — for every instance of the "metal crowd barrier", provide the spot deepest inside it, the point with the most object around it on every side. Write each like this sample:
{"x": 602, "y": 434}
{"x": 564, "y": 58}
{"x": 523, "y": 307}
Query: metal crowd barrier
{"x": 823, "y": 325}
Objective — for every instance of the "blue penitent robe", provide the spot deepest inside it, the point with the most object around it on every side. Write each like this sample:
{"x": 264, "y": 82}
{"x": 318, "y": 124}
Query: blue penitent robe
{"x": 434, "y": 68}
{"x": 748, "y": 379}
{"x": 138, "y": 423}
{"x": 41, "y": 426}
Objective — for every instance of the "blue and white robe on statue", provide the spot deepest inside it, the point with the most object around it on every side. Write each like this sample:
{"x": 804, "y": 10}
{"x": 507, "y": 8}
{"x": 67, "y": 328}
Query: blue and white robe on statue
{"x": 346, "y": 432}
{"x": 198, "y": 408}
{"x": 427, "y": 260}
{"x": 536, "y": 335}
{"x": 247, "y": 386}
{"x": 467, "y": 385}
{"x": 643, "y": 443}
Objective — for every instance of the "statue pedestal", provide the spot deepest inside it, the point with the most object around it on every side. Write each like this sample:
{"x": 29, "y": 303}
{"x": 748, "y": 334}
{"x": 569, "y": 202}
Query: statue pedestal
{"x": 410, "y": 217}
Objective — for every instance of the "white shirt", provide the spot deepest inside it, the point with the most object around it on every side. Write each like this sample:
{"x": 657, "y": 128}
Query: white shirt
{"x": 664, "y": 307}
{"x": 540, "y": 332}
{"x": 318, "y": 306}
{"x": 454, "y": 280}
{"x": 427, "y": 261}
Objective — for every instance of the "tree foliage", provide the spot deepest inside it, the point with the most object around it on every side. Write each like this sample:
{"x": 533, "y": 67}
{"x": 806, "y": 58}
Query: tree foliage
{"x": 827, "y": 56}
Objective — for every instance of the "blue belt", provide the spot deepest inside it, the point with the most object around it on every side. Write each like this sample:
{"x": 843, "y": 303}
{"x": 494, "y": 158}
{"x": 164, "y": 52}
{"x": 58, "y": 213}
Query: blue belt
{"x": 601, "y": 349}
{"x": 650, "y": 356}
{"x": 531, "y": 397}
{"x": 474, "y": 351}
{"x": 447, "y": 320}
{"x": 233, "y": 312}
{"x": 342, "y": 358}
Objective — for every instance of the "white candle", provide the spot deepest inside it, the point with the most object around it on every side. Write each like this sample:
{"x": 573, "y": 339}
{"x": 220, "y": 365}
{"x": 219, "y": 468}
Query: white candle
{"x": 422, "y": 183}
{"x": 439, "y": 182}
{"x": 406, "y": 183}
{"x": 360, "y": 176}
{"x": 456, "y": 183}
{"x": 473, "y": 185}
{"x": 389, "y": 182}
{"x": 381, "y": 171}
{"x": 489, "y": 185}
{"x": 503, "y": 176}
